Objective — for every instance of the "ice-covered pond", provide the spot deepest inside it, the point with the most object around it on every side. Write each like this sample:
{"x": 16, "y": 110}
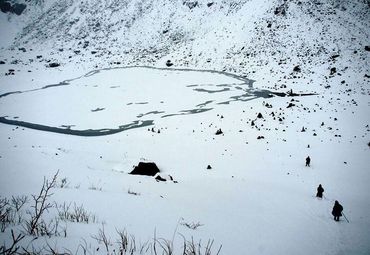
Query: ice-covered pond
{"x": 113, "y": 100}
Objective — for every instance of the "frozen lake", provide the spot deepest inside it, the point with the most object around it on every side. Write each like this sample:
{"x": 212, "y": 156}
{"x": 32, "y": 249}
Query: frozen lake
{"x": 113, "y": 100}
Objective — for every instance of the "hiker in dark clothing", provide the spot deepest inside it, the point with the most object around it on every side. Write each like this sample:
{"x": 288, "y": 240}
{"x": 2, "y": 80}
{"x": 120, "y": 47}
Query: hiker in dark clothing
{"x": 320, "y": 190}
{"x": 337, "y": 210}
{"x": 308, "y": 161}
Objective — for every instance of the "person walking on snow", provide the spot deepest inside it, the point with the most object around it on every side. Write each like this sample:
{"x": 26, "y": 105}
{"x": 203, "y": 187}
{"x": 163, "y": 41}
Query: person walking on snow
{"x": 308, "y": 161}
{"x": 337, "y": 210}
{"x": 320, "y": 190}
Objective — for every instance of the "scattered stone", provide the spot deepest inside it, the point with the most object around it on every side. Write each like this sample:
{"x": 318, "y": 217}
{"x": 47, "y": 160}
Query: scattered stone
{"x": 297, "y": 69}
{"x": 333, "y": 70}
{"x": 54, "y": 64}
{"x": 280, "y": 10}
{"x": 260, "y": 137}
{"x": 210, "y": 4}
{"x": 219, "y": 132}
{"x": 145, "y": 168}
{"x": 367, "y": 48}
{"x": 290, "y": 105}
{"x": 334, "y": 56}
{"x": 209, "y": 166}
{"x": 10, "y": 72}
{"x": 169, "y": 63}
{"x": 2, "y": 62}
{"x": 190, "y": 4}
{"x": 158, "y": 178}
{"x": 164, "y": 178}
{"x": 259, "y": 116}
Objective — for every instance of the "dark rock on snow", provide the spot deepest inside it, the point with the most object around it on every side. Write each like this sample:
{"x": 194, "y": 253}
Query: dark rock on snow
{"x": 54, "y": 64}
{"x": 219, "y": 132}
{"x": 159, "y": 178}
{"x": 18, "y": 8}
{"x": 5, "y": 6}
{"x": 333, "y": 70}
{"x": 145, "y": 168}
{"x": 169, "y": 63}
{"x": 297, "y": 69}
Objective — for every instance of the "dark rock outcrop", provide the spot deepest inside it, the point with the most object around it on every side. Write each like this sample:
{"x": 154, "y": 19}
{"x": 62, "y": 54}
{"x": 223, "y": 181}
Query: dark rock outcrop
{"x": 5, "y": 6}
{"x": 145, "y": 168}
{"x": 297, "y": 69}
{"x": 18, "y": 8}
{"x": 54, "y": 64}
{"x": 219, "y": 132}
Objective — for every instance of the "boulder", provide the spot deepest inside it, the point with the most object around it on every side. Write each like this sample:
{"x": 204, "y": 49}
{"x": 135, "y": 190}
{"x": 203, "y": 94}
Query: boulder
{"x": 297, "y": 69}
{"x": 333, "y": 70}
{"x": 54, "y": 64}
{"x": 18, "y": 8}
{"x": 5, "y": 6}
{"x": 219, "y": 132}
{"x": 169, "y": 63}
{"x": 145, "y": 168}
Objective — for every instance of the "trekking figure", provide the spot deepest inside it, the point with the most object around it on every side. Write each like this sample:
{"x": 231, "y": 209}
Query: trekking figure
{"x": 308, "y": 161}
{"x": 320, "y": 190}
{"x": 337, "y": 210}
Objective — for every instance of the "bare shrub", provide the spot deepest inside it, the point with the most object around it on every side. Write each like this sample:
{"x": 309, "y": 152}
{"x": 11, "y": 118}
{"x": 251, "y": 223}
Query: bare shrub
{"x": 77, "y": 213}
{"x": 5, "y": 213}
{"x": 195, "y": 248}
{"x": 10, "y": 211}
{"x": 95, "y": 187}
{"x": 64, "y": 183}
{"x": 101, "y": 237}
{"x": 36, "y": 224}
{"x": 192, "y": 225}
{"x": 14, "y": 247}
{"x": 133, "y": 193}
{"x": 17, "y": 204}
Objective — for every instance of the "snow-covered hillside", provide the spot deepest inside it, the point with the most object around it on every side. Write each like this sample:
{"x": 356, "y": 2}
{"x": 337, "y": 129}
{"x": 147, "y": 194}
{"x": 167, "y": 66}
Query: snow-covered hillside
{"x": 69, "y": 103}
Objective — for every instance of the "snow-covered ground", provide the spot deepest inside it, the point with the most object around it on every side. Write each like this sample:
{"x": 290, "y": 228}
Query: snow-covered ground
{"x": 258, "y": 198}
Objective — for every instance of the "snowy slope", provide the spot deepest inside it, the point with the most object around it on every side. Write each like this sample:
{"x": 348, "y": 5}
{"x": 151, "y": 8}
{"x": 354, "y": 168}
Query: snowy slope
{"x": 258, "y": 198}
